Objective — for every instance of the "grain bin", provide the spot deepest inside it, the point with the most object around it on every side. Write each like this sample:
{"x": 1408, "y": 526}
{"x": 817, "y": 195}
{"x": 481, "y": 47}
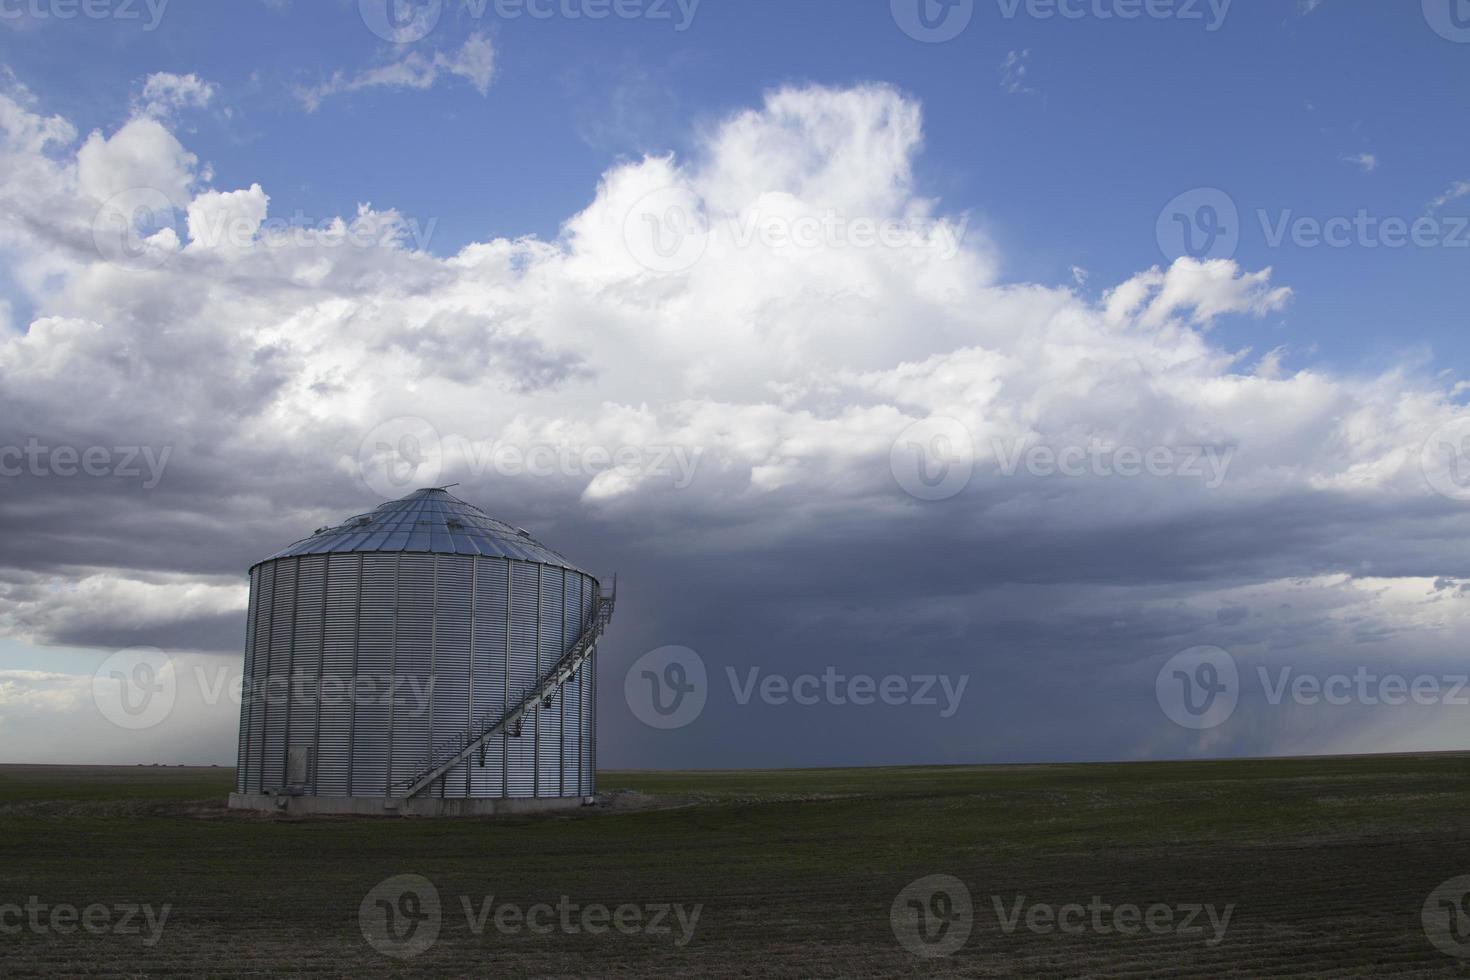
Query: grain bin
{"x": 421, "y": 658}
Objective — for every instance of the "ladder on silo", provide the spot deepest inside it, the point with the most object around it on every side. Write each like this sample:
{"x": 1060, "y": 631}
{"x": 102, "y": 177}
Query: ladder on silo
{"x": 467, "y": 745}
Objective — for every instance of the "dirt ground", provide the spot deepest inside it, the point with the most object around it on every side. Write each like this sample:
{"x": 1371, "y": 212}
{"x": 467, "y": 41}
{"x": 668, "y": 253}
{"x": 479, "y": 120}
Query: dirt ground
{"x": 1282, "y": 868}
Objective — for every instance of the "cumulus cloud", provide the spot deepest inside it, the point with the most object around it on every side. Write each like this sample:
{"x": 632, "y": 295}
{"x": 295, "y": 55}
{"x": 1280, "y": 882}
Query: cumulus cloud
{"x": 109, "y": 609}
{"x": 26, "y": 131}
{"x": 780, "y": 307}
{"x": 474, "y": 62}
{"x": 142, "y": 154}
{"x": 227, "y": 219}
{"x": 165, "y": 93}
{"x": 1204, "y": 290}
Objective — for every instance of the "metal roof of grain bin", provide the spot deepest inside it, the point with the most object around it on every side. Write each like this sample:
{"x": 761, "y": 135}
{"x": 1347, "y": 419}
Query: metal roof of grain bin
{"x": 428, "y": 521}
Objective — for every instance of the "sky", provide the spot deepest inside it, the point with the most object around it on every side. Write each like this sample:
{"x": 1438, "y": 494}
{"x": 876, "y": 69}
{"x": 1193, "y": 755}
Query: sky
{"x": 1091, "y": 371}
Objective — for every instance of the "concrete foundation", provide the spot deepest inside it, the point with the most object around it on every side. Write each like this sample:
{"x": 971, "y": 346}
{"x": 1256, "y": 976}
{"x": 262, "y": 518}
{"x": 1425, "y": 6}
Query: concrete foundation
{"x": 366, "y": 806}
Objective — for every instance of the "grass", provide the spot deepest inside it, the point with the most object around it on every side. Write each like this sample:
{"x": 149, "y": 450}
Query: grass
{"x": 1327, "y": 863}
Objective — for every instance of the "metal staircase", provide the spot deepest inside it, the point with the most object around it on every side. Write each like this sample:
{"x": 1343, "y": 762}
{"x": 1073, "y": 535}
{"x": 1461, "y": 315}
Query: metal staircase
{"x": 446, "y": 756}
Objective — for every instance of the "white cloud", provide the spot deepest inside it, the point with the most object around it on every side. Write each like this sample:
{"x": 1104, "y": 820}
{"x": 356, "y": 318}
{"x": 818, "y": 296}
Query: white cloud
{"x": 474, "y": 62}
{"x": 26, "y": 131}
{"x": 37, "y": 690}
{"x": 143, "y": 154}
{"x": 1212, "y": 289}
{"x": 1013, "y": 71}
{"x": 1457, "y": 190}
{"x": 1366, "y": 162}
{"x": 750, "y": 332}
{"x": 227, "y": 220}
{"x": 792, "y": 367}
{"x": 165, "y": 93}
{"x": 59, "y": 609}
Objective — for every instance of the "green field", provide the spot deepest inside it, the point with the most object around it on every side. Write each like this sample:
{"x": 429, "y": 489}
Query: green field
{"x": 1326, "y": 863}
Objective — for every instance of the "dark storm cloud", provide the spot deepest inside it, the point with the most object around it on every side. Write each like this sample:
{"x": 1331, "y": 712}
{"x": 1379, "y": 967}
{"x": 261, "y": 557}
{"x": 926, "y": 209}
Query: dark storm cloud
{"x": 1058, "y": 628}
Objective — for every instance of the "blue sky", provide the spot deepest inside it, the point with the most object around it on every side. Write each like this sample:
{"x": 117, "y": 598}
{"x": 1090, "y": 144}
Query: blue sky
{"x": 1057, "y": 155}
{"x": 1117, "y": 117}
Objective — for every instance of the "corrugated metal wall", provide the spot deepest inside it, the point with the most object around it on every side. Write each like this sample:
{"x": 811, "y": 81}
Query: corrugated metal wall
{"x": 339, "y": 673}
{"x": 453, "y": 668}
{"x": 359, "y": 665}
{"x": 491, "y": 637}
{"x": 372, "y": 717}
{"x": 247, "y": 700}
